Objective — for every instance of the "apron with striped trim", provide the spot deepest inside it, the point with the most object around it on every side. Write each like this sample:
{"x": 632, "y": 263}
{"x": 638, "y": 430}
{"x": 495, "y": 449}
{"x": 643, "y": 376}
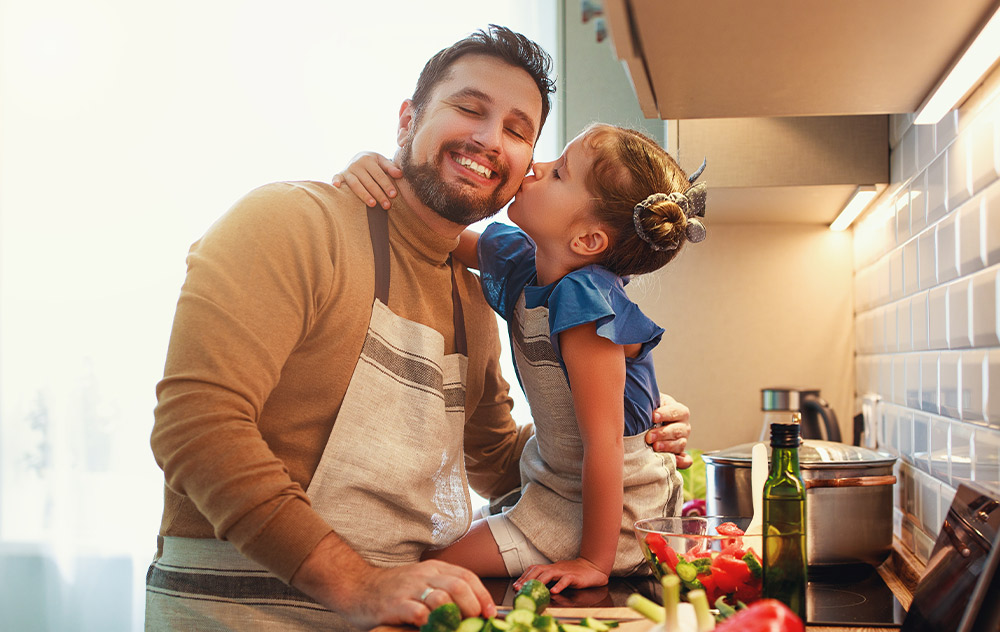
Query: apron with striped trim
{"x": 377, "y": 485}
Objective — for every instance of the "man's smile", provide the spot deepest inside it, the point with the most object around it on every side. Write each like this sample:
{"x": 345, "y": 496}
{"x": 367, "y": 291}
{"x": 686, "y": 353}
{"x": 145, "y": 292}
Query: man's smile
{"x": 472, "y": 165}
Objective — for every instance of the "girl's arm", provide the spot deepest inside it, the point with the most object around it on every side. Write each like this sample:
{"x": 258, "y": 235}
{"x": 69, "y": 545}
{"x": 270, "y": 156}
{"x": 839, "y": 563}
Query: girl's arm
{"x": 467, "y": 253}
{"x": 596, "y": 368}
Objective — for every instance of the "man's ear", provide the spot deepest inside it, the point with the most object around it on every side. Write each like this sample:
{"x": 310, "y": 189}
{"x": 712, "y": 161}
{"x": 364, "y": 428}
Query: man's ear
{"x": 407, "y": 116}
{"x": 590, "y": 241}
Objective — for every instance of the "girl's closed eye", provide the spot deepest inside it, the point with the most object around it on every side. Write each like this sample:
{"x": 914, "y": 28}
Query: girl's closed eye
{"x": 555, "y": 173}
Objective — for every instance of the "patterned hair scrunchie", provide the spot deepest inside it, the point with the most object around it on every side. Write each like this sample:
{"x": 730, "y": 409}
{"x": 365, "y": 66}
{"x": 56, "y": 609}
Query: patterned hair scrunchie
{"x": 691, "y": 203}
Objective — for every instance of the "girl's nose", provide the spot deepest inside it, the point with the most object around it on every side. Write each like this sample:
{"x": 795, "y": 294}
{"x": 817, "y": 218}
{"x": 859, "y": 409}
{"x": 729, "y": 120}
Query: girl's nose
{"x": 541, "y": 169}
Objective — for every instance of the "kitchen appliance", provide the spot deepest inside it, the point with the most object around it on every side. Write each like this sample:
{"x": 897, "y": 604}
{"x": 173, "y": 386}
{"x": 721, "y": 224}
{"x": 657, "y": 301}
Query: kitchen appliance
{"x": 960, "y": 588}
{"x": 848, "y": 498}
{"x": 818, "y": 419}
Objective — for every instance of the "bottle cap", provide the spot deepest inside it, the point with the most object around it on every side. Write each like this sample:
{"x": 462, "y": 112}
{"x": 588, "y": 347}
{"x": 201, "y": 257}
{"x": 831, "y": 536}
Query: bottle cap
{"x": 785, "y": 435}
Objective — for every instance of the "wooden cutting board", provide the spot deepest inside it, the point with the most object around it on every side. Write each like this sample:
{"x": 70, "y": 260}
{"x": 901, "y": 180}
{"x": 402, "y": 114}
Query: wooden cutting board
{"x": 631, "y": 621}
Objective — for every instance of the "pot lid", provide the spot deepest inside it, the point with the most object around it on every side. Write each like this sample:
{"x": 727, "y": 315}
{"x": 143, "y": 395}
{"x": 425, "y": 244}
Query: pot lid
{"x": 812, "y": 453}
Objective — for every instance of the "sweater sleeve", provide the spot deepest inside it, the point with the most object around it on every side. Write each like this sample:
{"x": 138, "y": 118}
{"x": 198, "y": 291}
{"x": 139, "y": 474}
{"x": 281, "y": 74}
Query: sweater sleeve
{"x": 252, "y": 284}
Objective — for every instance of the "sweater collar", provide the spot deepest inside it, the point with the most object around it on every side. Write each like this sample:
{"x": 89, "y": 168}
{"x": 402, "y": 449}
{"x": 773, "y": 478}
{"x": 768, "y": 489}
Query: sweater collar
{"x": 408, "y": 229}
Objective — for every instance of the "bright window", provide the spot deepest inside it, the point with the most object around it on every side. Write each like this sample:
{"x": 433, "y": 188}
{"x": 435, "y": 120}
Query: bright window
{"x": 127, "y": 128}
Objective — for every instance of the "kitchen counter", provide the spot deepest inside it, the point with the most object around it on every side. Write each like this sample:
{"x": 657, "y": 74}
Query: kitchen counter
{"x": 901, "y": 573}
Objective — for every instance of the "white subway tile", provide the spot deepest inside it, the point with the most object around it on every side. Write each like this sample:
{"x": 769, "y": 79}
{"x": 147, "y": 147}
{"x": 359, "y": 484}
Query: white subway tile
{"x": 898, "y": 124}
{"x": 919, "y": 321}
{"x": 959, "y": 314}
{"x": 878, "y": 329}
{"x": 950, "y": 373}
{"x": 961, "y": 452}
{"x": 940, "y": 428}
{"x": 911, "y": 270}
{"x": 947, "y": 497}
{"x": 973, "y": 376}
{"x": 904, "y": 325}
{"x": 861, "y": 341}
{"x": 898, "y": 393}
{"x": 986, "y": 307}
{"x": 892, "y": 275}
{"x": 891, "y": 327}
{"x": 930, "y": 499}
{"x": 884, "y": 374}
{"x": 986, "y": 458}
{"x": 925, "y": 146}
{"x": 929, "y": 382}
{"x": 862, "y": 378}
{"x": 937, "y": 318}
{"x": 991, "y": 221}
{"x": 946, "y": 129}
{"x": 923, "y": 544}
{"x": 905, "y": 426}
{"x": 909, "y": 149}
{"x": 921, "y": 442}
{"x": 889, "y": 440}
{"x": 927, "y": 259}
{"x": 981, "y": 151}
{"x": 902, "y": 210}
{"x": 896, "y": 165}
{"x": 959, "y": 185}
{"x": 970, "y": 250}
{"x": 937, "y": 192}
{"x": 947, "y": 249}
{"x": 918, "y": 203}
{"x": 912, "y": 379}
{"x": 991, "y": 388}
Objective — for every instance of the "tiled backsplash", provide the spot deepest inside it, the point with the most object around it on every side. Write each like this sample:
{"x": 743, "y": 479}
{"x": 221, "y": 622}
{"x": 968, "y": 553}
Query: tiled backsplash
{"x": 927, "y": 311}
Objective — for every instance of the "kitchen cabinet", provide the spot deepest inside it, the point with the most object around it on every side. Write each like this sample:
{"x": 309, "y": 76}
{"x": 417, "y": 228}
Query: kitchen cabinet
{"x": 731, "y": 58}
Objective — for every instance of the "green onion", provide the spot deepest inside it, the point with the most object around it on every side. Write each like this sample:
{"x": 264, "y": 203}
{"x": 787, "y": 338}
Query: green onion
{"x": 647, "y": 608}
{"x": 671, "y": 597}
{"x": 700, "y": 602}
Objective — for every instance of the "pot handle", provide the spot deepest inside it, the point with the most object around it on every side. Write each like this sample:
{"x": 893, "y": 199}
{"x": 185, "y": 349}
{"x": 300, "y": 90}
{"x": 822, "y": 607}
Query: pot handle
{"x": 859, "y": 481}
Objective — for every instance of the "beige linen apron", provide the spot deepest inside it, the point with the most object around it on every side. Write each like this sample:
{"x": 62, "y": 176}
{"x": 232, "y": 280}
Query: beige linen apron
{"x": 550, "y": 510}
{"x": 391, "y": 480}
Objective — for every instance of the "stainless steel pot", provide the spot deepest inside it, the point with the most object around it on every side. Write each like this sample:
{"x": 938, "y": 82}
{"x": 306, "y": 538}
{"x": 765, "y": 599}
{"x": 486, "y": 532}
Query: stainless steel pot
{"x": 848, "y": 498}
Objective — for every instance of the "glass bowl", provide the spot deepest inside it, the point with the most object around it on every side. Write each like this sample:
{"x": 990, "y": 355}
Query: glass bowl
{"x": 705, "y": 552}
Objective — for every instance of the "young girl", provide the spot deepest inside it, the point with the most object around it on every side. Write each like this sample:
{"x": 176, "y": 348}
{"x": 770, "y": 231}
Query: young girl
{"x": 613, "y": 205}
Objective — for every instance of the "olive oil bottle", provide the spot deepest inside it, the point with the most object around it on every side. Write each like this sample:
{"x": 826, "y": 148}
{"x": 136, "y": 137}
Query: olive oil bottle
{"x": 785, "y": 566}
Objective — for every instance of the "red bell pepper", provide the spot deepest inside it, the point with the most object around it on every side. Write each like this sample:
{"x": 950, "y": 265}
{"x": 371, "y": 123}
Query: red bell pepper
{"x": 766, "y": 615}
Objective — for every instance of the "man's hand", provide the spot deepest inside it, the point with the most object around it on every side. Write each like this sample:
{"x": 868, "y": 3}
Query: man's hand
{"x": 673, "y": 434}
{"x": 335, "y": 576}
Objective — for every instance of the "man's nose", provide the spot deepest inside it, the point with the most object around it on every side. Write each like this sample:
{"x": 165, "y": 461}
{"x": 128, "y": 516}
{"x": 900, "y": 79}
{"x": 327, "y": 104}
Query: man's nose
{"x": 489, "y": 135}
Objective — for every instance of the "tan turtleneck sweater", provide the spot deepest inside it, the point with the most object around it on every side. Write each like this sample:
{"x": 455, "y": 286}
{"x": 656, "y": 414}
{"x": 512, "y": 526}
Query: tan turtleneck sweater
{"x": 268, "y": 329}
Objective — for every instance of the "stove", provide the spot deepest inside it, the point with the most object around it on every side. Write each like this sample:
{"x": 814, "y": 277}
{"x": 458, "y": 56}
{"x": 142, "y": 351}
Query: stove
{"x": 851, "y": 596}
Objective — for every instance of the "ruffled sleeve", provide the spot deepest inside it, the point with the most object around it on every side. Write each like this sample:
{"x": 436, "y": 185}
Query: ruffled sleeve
{"x": 506, "y": 265}
{"x": 593, "y": 294}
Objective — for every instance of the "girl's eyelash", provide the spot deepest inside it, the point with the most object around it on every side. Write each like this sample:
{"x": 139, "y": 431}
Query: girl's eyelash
{"x": 555, "y": 173}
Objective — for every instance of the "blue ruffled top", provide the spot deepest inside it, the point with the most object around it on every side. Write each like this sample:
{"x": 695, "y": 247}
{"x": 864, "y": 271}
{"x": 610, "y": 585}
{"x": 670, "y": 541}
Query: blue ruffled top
{"x": 590, "y": 294}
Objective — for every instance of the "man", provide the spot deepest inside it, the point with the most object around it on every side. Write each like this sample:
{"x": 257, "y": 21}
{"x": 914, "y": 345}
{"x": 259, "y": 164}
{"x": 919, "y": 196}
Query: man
{"x": 332, "y": 384}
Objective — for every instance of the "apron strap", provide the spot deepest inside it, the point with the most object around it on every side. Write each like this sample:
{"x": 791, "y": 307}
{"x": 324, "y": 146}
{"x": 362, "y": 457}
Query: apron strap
{"x": 461, "y": 345}
{"x": 378, "y": 229}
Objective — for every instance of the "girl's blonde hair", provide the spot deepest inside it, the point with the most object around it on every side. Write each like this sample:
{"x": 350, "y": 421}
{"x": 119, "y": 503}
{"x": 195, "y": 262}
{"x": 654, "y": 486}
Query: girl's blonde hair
{"x": 629, "y": 167}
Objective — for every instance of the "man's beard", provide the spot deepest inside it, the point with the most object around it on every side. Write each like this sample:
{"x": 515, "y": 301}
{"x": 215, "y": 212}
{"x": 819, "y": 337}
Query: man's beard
{"x": 449, "y": 200}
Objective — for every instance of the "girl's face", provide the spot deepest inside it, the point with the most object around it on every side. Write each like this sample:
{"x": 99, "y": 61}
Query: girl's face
{"x": 553, "y": 198}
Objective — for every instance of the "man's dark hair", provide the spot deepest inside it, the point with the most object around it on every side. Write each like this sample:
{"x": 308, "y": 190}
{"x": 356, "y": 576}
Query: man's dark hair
{"x": 496, "y": 41}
